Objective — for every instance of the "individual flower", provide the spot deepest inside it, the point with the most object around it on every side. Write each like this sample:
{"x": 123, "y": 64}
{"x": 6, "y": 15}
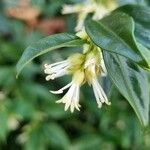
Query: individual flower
{"x": 71, "y": 98}
{"x": 73, "y": 65}
{"x": 92, "y": 69}
{"x": 56, "y": 70}
{"x": 62, "y": 68}
{"x": 99, "y": 93}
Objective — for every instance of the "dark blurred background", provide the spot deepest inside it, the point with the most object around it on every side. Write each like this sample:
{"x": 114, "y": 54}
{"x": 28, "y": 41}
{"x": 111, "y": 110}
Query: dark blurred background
{"x": 29, "y": 117}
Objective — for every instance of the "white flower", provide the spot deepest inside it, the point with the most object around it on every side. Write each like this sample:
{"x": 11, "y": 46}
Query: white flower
{"x": 56, "y": 70}
{"x": 83, "y": 67}
{"x": 69, "y": 66}
{"x": 92, "y": 66}
{"x": 99, "y": 93}
{"x": 71, "y": 98}
{"x": 98, "y": 8}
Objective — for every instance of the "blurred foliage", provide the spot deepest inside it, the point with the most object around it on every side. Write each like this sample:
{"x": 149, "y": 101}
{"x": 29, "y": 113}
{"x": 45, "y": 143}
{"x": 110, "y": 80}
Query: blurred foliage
{"x": 29, "y": 117}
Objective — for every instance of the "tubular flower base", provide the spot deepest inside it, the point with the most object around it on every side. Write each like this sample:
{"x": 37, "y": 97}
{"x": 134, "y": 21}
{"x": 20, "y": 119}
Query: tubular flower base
{"x": 84, "y": 68}
{"x": 92, "y": 68}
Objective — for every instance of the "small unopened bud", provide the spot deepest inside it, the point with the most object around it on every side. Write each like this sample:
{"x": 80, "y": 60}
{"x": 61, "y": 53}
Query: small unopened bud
{"x": 82, "y": 34}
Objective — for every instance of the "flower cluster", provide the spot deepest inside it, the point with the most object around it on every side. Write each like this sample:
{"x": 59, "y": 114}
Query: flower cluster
{"x": 97, "y": 7}
{"x": 84, "y": 67}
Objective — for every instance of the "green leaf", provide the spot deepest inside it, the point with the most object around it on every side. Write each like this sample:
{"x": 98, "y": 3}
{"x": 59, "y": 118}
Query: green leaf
{"x": 45, "y": 45}
{"x": 125, "y": 29}
{"x": 35, "y": 138}
{"x": 115, "y": 33}
{"x": 87, "y": 142}
{"x": 131, "y": 81}
{"x": 139, "y": 2}
{"x": 56, "y": 134}
{"x": 41, "y": 135}
{"x": 141, "y": 15}
{"x": 144, "y": 52}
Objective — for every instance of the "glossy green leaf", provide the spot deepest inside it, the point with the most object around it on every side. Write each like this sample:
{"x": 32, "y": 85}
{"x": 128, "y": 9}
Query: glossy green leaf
{"x": 139, "y": 2}
{"x": 144, "y": 52}
{"x": 45, "y": 45}
{"x": 129, "y": 36}
{"x": 131, "y": 81}
{"x": 141, "y": 15}
{"x": 115, "y": 33}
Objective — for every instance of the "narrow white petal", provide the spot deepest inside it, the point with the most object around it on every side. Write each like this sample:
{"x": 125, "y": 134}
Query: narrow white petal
{"x": 77, "y": 107}
{"x": 59, "y": 101}
{"x": 77, "y": 98}
{"x": 97, "y": 97}
{"x": 67, "y": 86}
{"x": 72, "y": 107}
{"x": 57, "y": 92}
{"x": 97, "y": 87}
{"x": 62, "y": 89}
{"x": 69, "y": 96}
{"x": 67, "y": 105}
{"x": 60, "y": 73}
{"x": 55, "y": 64}
{"x": 49, "y": 77}
{"x": 105, "y": 97}
{"x": 57, "y": 68}
{"x": 100, "y": 92}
